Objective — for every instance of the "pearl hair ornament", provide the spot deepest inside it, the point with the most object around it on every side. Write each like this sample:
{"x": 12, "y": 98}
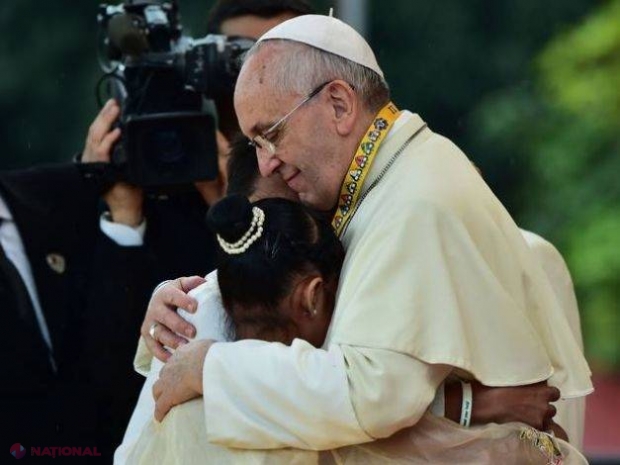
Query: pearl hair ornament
{"x": 254, "y": 232}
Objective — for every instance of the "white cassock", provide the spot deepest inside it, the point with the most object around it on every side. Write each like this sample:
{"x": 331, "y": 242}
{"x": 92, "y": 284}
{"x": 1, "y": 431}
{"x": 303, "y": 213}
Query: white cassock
{"x": 437, "y": 280}
{"x": 571, "y": 412}
{"x": 436, "y": 275}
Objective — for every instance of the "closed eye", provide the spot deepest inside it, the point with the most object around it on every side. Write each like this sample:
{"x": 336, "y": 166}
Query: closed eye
{"x": 274, "y": 135}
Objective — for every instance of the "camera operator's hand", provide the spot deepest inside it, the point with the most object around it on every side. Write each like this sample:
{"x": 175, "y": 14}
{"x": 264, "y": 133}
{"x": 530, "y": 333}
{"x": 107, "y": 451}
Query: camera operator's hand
{"x": 162, "y": 324}
{"x": 124, "y": 200}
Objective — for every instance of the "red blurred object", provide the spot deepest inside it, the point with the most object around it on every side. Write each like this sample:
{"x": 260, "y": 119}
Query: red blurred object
{"x": 602, "y": 430}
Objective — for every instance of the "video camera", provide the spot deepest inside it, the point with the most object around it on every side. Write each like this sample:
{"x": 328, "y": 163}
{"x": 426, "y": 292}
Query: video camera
{"x": 165, "y": 83}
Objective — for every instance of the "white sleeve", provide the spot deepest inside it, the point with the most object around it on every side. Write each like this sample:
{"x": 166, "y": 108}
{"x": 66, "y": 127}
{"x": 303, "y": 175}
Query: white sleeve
{"x": 142, "y": 414}
{"x": 122, "y": 234}
{"x": 269, "y": 395}
{"x": 210, "y": 319}
{"x": 390, "y": 390}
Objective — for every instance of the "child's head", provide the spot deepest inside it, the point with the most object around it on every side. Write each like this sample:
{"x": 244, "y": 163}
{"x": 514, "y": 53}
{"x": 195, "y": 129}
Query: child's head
{"x": 244, "y": 177}
{"x": 278, "y": 268}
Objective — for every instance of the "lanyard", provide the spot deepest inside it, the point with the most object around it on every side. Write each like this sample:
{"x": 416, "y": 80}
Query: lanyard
{"x": 360, "y": 165}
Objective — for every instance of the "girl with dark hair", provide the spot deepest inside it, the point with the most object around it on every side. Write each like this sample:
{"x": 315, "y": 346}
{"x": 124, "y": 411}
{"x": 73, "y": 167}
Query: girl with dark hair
{"x": 277, "y": 275}
{"x": 278, "y": 269}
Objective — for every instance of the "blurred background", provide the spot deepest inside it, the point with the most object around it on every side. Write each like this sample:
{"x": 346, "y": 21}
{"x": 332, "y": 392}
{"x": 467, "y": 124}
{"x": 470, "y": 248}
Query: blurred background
{"x": 529, "y": 89}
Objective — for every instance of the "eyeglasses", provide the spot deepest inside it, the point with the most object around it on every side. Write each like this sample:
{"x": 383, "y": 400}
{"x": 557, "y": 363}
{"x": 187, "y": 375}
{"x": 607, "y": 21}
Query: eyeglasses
{"x": 262, "y": 140}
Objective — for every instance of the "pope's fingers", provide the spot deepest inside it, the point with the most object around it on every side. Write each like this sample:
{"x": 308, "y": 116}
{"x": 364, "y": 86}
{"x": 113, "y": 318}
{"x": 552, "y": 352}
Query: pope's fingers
{"x": 162, "y": 407}
{"x": 191, "y": 282}
{"x": 158, "y": 350}
{"x": 168, "y": 338}
{"x": 162, "y": 403}
{"x": 170, "y": 320}
{"x": 157, "y": 390}
{"x": 173, "y": 296}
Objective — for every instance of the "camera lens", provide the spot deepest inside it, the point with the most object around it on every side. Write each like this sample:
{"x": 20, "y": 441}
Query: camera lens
{"x": 167, "y": 147}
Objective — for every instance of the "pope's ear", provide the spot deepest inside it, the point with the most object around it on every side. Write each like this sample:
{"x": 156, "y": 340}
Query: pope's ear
{"x": 345, "y": 106}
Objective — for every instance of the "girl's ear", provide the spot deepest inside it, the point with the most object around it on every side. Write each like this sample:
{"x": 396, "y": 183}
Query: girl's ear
{"x": 313, "y": 295}
{"x": 308, "y": 299}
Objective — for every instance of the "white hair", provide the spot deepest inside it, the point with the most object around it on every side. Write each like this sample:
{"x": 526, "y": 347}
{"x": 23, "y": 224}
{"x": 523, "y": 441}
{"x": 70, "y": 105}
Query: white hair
{"x": 303, "y": 68}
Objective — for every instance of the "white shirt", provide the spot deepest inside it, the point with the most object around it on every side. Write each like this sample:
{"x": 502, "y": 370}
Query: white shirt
{"x": 122, "y": 234}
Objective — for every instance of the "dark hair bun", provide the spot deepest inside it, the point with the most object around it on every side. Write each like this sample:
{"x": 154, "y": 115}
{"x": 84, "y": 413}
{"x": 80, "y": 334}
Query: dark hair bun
{"x": 231, "y": 217}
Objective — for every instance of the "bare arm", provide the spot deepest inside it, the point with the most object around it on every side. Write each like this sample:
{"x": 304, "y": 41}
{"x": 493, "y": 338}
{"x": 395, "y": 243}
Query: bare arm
{"x": 530, "y": 404}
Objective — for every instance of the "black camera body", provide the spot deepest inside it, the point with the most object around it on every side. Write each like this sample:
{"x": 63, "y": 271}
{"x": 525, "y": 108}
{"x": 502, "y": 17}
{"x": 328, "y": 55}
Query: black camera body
{"x": 165, "y": 83}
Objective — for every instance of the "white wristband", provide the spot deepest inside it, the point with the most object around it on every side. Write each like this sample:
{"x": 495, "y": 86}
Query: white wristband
{"x": 467, "y": 405}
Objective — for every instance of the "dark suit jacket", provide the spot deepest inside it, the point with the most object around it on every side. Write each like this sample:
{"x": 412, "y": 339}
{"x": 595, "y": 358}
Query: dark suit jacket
{"x": 93, "y": 309}
{"x": 55, "y": 211}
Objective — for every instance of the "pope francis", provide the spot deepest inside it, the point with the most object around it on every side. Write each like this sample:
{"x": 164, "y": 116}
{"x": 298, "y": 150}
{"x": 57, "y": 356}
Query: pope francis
{"x": 437, "y": 282}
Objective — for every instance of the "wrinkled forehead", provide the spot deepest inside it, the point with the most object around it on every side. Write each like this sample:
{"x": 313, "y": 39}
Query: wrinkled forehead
{"x": 259, "y": 100}
{"x": 256, "y": 76}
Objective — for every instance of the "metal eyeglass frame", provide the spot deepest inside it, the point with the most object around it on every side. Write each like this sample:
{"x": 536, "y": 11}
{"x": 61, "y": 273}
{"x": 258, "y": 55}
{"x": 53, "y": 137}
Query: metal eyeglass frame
{"x": 261, "y": 140}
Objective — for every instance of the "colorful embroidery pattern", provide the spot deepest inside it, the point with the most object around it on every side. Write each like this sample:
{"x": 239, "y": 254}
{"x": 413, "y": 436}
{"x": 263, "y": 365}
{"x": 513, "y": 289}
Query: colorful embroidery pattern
{"x": 361, "y": 163}
{"x": 544, "y": 443}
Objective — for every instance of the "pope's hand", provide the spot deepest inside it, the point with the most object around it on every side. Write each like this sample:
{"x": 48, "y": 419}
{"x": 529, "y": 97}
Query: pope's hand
{"x": 180, "y": 379}
{"x": 162, "y": 325}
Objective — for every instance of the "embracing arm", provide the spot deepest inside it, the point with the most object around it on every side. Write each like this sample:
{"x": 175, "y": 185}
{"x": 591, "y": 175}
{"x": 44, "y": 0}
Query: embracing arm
{"x": 342, "y": 396}
{"x": 319, "y": 404}
{"x": 258, "y": 407}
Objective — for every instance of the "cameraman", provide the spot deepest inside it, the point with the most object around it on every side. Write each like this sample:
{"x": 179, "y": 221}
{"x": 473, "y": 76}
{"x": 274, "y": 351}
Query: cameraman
{"x": 147, "y": 238}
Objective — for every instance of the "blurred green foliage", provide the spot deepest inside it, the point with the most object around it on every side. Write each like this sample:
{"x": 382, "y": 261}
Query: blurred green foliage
{"x": 566, "y": 128}
{"x": 527, "y": 88}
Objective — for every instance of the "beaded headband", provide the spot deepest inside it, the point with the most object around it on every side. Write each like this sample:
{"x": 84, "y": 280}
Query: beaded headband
{"x": 251, "y": 235}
